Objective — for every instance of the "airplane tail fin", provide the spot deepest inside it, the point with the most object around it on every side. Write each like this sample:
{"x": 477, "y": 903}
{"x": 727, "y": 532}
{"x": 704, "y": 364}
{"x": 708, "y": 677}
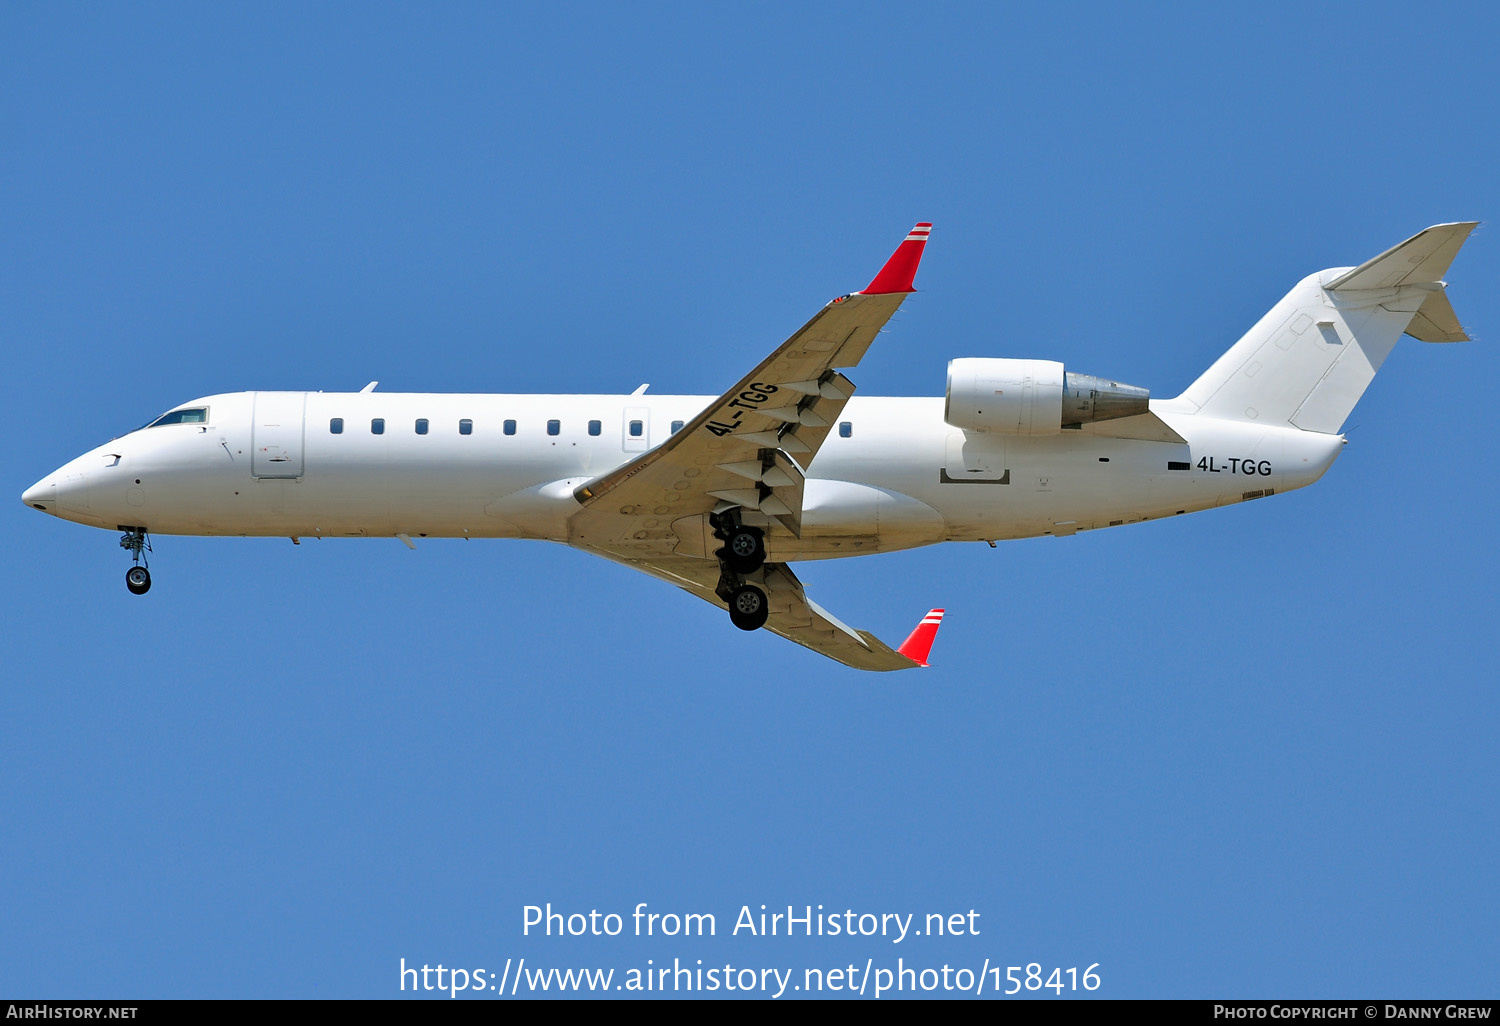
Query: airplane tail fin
{"x": 1308, "y": 360}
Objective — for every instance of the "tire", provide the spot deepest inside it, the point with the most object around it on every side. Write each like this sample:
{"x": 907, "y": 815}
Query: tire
{"x": 138, "y": 580}
{"x": 748, "y": 608}
{"x": 745, "y": 550}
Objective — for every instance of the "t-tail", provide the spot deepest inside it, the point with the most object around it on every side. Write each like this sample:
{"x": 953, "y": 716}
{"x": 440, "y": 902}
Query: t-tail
{"x": 1307, "y": 362}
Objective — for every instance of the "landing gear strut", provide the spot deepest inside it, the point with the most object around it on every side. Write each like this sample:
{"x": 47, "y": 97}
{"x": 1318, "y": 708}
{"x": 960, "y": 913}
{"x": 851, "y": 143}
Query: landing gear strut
{"x": 137, "y": 543}
{"x": 743, "y": 553}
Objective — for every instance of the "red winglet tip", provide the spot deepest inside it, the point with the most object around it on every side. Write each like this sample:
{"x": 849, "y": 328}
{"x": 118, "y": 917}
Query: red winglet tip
{"x": 919, "y": 645}
{"x": 901, "y": 269}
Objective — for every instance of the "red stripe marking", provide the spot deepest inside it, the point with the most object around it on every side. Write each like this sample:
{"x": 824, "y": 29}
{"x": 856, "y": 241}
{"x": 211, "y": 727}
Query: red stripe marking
{"x": 900, "y": 271}
{"x": 919, "y": 644}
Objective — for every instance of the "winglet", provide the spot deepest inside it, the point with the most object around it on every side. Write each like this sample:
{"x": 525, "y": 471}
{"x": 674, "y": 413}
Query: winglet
{"x": 919, "y": 644}
{"x": 901, "y": 269}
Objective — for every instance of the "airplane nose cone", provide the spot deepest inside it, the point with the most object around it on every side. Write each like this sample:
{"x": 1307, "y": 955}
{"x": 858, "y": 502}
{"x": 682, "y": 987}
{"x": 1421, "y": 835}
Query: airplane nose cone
{"x": 42, "y": 495}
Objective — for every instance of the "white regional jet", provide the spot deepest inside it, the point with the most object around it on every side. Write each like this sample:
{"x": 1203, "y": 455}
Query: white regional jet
{"x": 718, "y": 495}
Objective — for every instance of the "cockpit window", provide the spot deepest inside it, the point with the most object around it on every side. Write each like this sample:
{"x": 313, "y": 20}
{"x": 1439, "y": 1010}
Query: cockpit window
{"x": 197, "y": 415}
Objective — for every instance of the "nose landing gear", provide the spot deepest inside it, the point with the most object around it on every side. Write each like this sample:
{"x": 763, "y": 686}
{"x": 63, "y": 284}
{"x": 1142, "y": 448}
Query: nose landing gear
{"x": 138, "y": 580}
{"x": 137, "y": 543}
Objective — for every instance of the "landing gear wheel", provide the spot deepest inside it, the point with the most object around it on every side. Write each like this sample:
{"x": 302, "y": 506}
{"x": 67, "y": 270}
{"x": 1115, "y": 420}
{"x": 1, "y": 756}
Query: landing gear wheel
{"x": 745, "y": 549}
{"x": 748, "y": 608}
{"x": 138, "y": 580}
{"x": 135, "y": 542}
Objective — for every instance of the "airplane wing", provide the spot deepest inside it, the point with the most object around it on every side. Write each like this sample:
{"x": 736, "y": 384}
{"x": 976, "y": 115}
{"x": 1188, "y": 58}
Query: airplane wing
{"x": 797, "y": 618}
{"x": 789, "y": 402}
{"x": 746, "y": 451}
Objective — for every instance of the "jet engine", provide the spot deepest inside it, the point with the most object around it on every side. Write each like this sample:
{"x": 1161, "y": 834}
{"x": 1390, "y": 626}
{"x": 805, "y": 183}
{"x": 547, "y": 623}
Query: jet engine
{"x": 1033, "y": 397}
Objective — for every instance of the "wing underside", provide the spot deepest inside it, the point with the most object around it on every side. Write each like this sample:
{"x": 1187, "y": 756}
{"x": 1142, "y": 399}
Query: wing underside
{"x": 793, "y": 615}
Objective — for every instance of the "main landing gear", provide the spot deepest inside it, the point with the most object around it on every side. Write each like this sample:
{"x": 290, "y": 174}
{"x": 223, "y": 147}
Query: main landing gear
{"x": 744, "y": 549}
{"x": 743, "y": 553}
{"x": 748, "y": 608}
{"x": 137, "y": 543}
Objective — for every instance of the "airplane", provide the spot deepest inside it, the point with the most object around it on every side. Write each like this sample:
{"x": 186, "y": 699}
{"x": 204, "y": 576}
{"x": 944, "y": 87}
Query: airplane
{"x": 719, "y": 495}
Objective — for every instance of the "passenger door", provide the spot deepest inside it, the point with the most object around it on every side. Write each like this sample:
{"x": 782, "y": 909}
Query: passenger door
{"x": 276, "y": 434}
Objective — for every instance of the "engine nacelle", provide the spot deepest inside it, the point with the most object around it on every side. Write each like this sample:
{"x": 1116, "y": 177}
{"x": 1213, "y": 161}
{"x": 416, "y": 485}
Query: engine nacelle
{"x": 1033, "y": 397}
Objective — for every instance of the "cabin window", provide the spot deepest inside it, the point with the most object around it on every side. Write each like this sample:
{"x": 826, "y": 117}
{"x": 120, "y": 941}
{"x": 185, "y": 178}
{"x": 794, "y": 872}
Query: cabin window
{"x": 336, "y": 426}
{"x": 466, "y": 427}
{"x": 422, "y": 425}
{"x": 595, "y": 427}
{"x": 377, "y": 426}
{"x": 846, "y": 429}
{"x": 636, "y": 427}
{"x": 510, "y": 427}
{"x": 195, "y": 416}
{"x": 554, "y": 427}
{"x": 676, "y": 426}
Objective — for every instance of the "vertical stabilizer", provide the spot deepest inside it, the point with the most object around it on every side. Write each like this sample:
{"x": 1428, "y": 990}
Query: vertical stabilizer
{"x": 1308, "y": 361}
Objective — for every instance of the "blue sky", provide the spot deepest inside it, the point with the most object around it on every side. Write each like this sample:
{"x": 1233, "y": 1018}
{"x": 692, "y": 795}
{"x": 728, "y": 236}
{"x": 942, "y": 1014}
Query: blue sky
{"x": 1245, "y": 753}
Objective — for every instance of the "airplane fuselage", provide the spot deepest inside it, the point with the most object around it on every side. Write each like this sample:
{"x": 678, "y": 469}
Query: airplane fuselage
{"x": 719, "y": 495}
{"x": 892, "y": 475}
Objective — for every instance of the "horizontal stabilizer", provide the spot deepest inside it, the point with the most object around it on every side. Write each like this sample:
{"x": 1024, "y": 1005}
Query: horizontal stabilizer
{"x": 1422, "y": 258}
{"x": 1436, "y": 321}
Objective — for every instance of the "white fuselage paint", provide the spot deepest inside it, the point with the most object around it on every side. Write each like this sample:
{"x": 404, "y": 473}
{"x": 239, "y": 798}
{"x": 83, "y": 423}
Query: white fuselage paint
{"x": 881, "y": 489}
